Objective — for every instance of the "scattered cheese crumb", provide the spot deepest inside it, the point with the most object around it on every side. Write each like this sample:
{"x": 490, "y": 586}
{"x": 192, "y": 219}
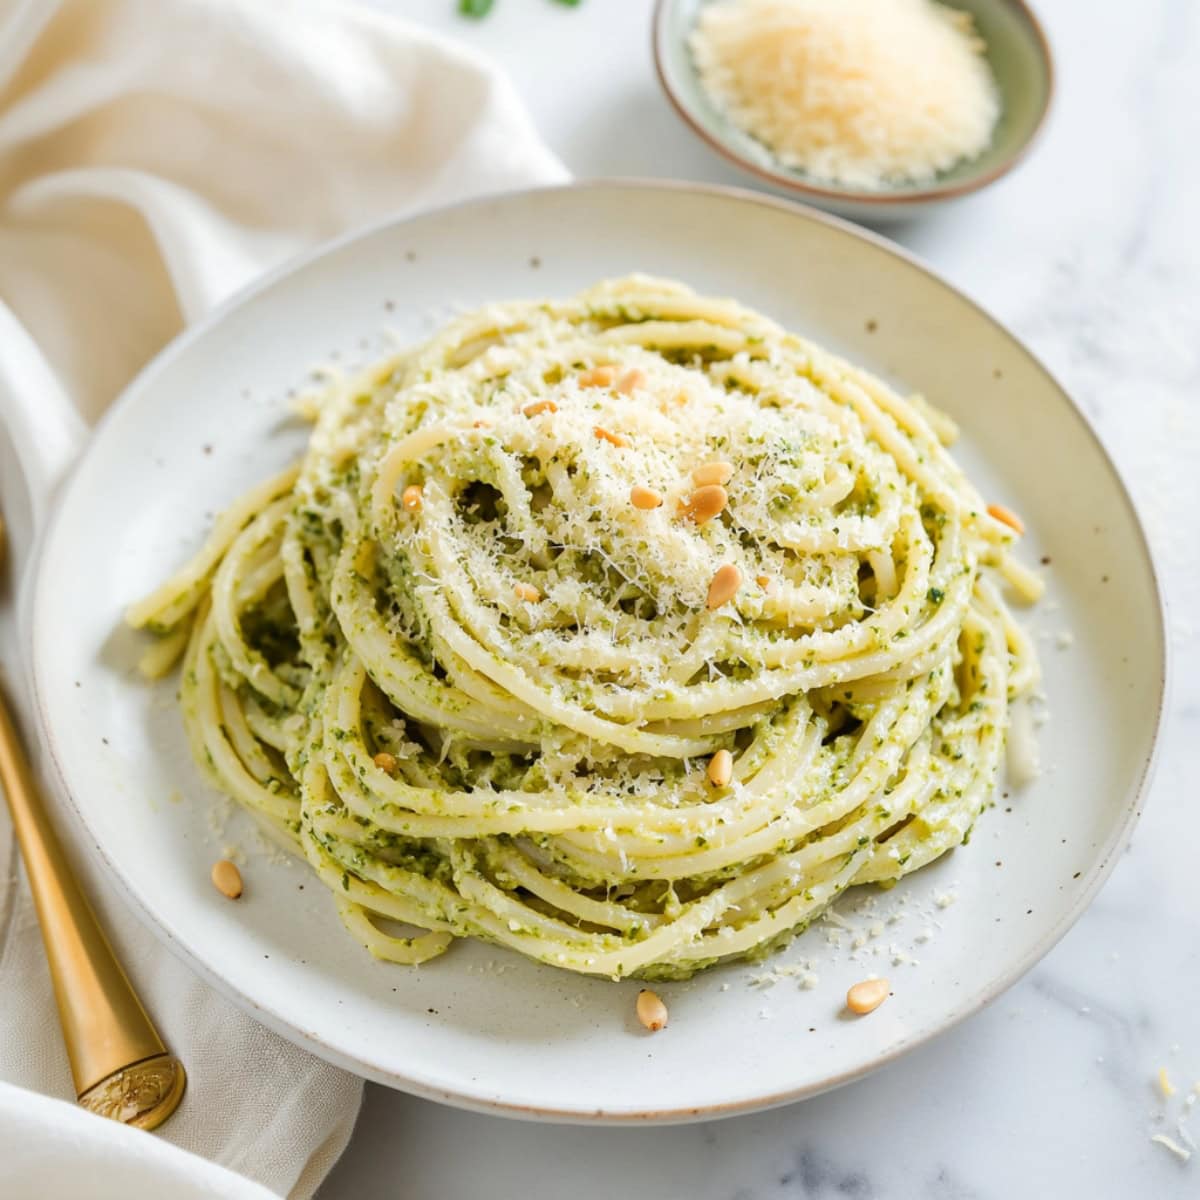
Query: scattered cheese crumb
{"x": 835, "y": 918}
{"x": 218, "y": 816}
{"x": 1172, "y": 1145}
{"x": 1164, "y": 1083}
{"x": 770, "y": 977}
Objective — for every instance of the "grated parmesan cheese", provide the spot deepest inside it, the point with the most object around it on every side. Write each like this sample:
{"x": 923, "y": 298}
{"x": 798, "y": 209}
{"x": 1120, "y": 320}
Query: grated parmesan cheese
{"x": 1173, "y": 1146}
{"x": 865, "y": 93}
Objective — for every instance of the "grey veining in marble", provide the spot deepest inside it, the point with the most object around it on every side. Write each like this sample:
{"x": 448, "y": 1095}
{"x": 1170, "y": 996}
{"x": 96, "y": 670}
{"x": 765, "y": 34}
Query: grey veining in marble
{"x": 1091, "y": 253}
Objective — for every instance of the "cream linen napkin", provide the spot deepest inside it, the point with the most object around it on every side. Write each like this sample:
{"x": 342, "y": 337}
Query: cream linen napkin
{"x": 154, "y": 156}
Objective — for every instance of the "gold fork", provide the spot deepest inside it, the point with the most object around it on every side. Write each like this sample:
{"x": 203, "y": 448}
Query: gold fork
{"x": 120, "y": 1066}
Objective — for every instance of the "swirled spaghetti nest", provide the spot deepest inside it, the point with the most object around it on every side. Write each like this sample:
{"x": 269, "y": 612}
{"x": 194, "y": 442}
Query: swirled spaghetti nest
{"x": 482, "y": 688}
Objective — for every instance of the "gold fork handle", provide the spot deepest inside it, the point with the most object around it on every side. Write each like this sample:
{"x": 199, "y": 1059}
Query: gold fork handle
{"x": 120, "y": 1065}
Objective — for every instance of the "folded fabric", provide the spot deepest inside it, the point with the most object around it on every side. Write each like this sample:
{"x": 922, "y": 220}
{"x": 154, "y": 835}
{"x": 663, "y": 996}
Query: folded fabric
{"x": 101, "y": 1160}
{"x": 155, "y": 155}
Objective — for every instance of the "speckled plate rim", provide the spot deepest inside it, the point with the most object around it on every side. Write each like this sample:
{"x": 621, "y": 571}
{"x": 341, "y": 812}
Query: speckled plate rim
{"x": 882, "y": 201}
{"x": 41, "y": 642}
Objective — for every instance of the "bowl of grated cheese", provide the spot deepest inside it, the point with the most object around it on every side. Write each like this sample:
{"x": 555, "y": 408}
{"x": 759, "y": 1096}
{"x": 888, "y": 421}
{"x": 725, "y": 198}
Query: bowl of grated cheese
{"x": 874, "y": 109}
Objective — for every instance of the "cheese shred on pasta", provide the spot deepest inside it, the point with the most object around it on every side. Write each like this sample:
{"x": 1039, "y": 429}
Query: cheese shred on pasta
{"x": 480, "y": 688}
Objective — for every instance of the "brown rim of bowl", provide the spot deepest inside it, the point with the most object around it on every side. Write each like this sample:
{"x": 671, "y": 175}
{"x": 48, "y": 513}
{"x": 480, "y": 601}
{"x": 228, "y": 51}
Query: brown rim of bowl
{"x": 884, "y": 200}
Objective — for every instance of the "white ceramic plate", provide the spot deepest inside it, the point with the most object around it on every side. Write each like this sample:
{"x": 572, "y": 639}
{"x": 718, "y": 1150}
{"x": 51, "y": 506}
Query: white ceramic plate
{"x": 481, "y": 1027}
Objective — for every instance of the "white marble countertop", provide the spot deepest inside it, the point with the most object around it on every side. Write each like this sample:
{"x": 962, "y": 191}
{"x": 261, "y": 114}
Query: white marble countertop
{"x": 1090, "y": 253}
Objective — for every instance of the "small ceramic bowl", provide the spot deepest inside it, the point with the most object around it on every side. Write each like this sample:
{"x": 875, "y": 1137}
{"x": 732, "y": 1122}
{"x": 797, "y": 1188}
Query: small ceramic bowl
{"x": 1020, "y": 58}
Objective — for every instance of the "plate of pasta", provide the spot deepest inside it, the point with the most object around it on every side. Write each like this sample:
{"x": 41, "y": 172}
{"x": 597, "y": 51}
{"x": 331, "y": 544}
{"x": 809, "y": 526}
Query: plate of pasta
{"x": 596, "y": 624}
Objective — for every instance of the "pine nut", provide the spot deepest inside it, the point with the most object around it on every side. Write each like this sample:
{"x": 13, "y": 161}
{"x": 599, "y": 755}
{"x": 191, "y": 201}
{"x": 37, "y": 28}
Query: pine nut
{"x": 724, "y": 586}
{"x": 385, "y": 762}
{"x": 644, "y": 498}
{"x": 1006, "y": 516}
{"x": 867, "y": 996}
{"x": 613, "y": 439}
{"x": 651, "y": 1011}
{"x": 410, "y": 499}
{"x": 706, "y": 502}
{"x": 713, "y": 472}
{"x": 227, "y": 879}
{"x": 526, "y": 591}
{"x": 598, "y": 377}
{"x": 720, "y": 769}
{"x": 539, "y": 406}
{"x": 633, "y": 379}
